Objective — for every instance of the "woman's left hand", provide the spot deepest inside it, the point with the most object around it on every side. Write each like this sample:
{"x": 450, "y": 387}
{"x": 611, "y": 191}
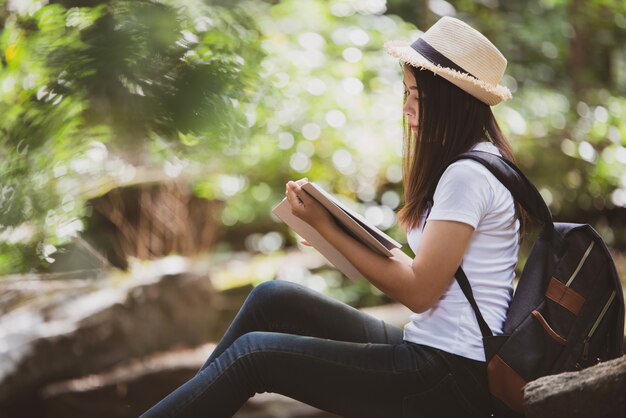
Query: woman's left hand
{"x": 305, "y": 207}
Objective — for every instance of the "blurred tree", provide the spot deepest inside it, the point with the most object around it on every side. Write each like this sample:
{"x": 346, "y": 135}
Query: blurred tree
{"x": 136, "y": 75}
{"x": 243, "y": 96}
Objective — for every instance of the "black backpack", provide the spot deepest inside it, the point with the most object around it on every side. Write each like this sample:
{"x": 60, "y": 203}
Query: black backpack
{"x": 567, "y": 312}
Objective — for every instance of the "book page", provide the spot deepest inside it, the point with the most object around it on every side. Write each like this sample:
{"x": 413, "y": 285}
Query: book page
{"x": 355, "y": 225}
{"x": 365, "y": 232}
{"x": 306, "y": 231}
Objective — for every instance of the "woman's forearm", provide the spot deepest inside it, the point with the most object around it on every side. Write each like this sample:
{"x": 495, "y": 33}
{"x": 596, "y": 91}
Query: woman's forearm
{"x": 392, "y": 275}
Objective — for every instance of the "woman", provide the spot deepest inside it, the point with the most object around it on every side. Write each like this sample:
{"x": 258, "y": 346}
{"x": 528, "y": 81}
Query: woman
{"x": 291, "y": 340}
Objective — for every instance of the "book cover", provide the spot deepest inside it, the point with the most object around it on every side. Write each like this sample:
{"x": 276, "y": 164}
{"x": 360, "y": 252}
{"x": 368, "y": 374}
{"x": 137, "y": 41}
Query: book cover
{"x": 351, "y": 222}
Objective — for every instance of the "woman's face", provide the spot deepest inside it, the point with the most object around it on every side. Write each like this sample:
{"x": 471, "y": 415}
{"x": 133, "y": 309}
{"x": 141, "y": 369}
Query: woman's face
{"x": 412, "y": 99}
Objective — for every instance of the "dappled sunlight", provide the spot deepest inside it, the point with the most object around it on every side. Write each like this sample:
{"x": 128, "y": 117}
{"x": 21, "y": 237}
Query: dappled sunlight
{"x": 144, "y": 144}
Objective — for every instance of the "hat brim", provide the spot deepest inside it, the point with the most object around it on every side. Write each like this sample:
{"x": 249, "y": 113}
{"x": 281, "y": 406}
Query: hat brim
{"x": 483, "y": 91}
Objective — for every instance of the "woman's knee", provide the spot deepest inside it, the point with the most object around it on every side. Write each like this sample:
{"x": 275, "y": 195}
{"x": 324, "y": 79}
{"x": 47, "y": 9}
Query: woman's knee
{"x": 247, "y": 343}
{"x": 256, "y": 343}
{"x": 273, "y": 291}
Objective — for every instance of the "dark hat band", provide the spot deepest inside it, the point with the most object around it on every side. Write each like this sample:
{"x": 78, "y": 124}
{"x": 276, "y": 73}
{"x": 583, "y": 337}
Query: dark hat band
{"x": 434, "y": 56}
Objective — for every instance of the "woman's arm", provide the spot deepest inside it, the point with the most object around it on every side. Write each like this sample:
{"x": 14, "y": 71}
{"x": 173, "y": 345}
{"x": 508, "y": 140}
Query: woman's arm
{"x": 416, "y": 283}
{"x": 440, "y": 253}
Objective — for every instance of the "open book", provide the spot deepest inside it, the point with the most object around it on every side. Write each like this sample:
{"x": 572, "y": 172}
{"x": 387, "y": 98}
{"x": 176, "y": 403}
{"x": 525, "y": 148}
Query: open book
{"x": 353, "y": 223}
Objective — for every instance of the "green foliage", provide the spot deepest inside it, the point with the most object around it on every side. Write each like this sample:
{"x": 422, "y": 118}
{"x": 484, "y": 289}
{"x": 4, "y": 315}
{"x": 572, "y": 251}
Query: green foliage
{"x": 329, "y": 111}
{"x": 244, "y": 96}
{"x": 124, "y": 74}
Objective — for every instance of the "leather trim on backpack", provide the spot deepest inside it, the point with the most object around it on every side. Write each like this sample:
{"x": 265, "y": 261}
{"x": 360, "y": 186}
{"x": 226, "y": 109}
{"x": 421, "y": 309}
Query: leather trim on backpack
{"x": 505, "y": 384}
{"x": 552, "y": 333}
{"x": 564, "y": 296}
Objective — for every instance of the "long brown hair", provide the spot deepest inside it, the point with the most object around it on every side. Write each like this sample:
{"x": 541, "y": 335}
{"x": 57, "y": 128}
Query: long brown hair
{"x": 450, "y": 122}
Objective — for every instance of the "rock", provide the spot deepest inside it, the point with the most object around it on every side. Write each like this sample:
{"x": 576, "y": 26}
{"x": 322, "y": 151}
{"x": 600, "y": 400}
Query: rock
{"x": 131, "y": 388}
{"x": 126, "y": 390}
{"x": 113, "y": 345}
{"x": 595, "y": 392}
{"x": 73, "y": 333}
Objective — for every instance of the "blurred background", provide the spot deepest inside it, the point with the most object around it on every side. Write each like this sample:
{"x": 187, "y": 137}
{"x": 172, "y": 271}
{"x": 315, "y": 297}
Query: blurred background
{"x": 143, "y": 145}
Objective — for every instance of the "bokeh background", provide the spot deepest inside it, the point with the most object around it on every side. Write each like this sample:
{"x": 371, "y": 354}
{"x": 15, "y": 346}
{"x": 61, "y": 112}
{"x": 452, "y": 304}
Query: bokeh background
{"x": 143, "y": 145}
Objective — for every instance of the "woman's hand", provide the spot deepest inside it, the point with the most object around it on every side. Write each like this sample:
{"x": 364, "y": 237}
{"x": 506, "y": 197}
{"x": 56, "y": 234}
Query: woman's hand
{"x": 305, "y": 207}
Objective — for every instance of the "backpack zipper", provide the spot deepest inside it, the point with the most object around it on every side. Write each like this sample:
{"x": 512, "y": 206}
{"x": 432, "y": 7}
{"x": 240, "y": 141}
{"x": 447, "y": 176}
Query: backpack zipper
{"x": 595, "y": 325}
{"x": 580, "y": 264}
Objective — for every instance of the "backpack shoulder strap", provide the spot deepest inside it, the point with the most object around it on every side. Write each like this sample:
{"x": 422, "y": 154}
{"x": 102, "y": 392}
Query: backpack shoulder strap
{"x": 523, "y": 192}
{"x": 465, "y": 286}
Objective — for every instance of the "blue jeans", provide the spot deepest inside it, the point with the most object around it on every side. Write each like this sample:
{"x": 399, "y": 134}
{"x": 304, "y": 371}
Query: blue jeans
{"x": 292, "y": 340}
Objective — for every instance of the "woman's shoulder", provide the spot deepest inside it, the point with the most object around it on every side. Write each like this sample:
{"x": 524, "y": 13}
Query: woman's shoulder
{"x": 470, "y": 172}
{"x": 467, "y": 191}
{"x": 466, "y": 173}
{"x": 463, "y": 168}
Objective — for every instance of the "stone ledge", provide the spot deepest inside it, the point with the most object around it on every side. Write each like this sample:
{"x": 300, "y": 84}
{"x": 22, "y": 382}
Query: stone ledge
{"x": 122, "y": 391}
{"x": 595, "y": 392}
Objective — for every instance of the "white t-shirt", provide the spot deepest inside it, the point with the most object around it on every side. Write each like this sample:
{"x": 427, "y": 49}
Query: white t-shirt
{"x": 467, "y": 192}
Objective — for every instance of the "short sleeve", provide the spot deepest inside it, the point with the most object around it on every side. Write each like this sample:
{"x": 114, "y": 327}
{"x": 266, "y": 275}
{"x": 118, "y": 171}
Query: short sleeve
{"x": 463, "y": 194}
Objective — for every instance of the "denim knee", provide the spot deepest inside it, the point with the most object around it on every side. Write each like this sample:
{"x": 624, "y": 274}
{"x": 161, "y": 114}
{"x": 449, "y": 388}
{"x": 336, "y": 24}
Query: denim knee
{"x": 249, "y": 345}
{"x": 272, "y": 290}
{"x": 249, "y": 342}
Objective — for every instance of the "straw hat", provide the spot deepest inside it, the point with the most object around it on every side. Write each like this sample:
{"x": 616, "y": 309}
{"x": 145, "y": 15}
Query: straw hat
{"x": 460, "y": 54}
